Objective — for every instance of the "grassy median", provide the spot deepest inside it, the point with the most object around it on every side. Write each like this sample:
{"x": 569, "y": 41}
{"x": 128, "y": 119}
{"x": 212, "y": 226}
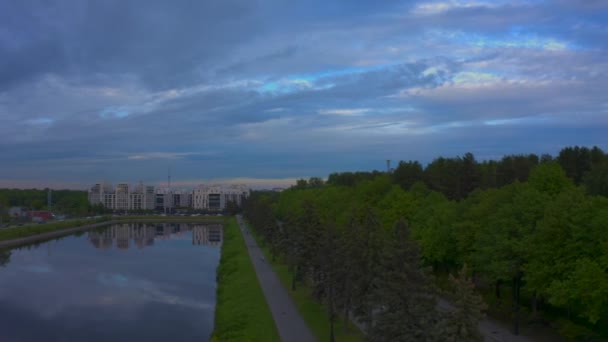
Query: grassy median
{"x": 313, "y": 312}
{"x": 241, "y": 312}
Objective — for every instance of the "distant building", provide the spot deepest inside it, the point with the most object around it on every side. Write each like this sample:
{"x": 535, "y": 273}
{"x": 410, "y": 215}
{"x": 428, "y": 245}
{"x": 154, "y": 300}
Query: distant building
{"x": 149, "y": 197}
{"x": 182, "y": 199}
{"x": 164, "y": 200}
{"x": 216, "y": 197}
{"x": 123, "y": 197}
{"x": 141, "y": 197}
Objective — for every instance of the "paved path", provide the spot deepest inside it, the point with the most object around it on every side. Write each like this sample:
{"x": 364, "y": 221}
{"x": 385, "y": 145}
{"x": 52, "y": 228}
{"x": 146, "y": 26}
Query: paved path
{"x": 290, "y": 324}
{"x": 494, "y": 331}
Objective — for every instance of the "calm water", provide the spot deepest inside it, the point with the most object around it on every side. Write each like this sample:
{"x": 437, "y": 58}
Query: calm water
{"x": 128, "y": 282}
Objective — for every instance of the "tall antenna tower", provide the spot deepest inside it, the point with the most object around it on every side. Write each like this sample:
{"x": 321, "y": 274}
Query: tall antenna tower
{"x": 388, "y": 166}
{"x": 169, "y": 178}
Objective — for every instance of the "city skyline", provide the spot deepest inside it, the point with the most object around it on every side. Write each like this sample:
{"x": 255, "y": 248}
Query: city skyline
{"x": 125, "y": 196}
{"x": 266, "y": 93}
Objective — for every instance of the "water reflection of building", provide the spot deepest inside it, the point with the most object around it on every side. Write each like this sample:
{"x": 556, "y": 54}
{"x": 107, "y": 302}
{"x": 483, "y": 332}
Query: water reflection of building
{"x": 143, "y": 235}
{"x": 102, "y": 240}
{"x": 210, "y": 235}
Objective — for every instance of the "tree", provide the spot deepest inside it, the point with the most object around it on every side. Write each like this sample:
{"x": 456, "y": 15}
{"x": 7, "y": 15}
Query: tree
{"x": 577, "y": 161}
{"x": 443, "y": 175}
{"x": 404, "y": 295}
{"x": 488, "y": 175}
{"x": 315, "y": 182}
{"x": 596, "y": 180}
{"x": 408, "y": 173}
{"x": 301, "y": 184}
{"x": 433, "y": 227}
{"x": 515, "y": 167}
{"x": 570, "y": 250}
{"x": 328, "y": 282}
{"x": 367, "y": 244}
{"x": 3, "y": 213}
{"x": 470, "y": 174}
{"x": 504, "y": 241}
{"x": 462, "y": 323}
{"x": 549, "y": 178}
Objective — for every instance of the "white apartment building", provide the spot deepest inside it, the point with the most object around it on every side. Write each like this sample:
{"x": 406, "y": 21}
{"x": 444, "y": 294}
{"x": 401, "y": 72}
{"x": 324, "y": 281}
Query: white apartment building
{"x": 205, "y": 197}
{"x": 216, "y": 197}
{"x": 123, "y": 197}
{"x": 121, "y": 201}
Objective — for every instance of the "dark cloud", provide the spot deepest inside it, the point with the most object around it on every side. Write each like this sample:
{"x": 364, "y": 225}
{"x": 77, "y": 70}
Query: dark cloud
{"x": 92, "y": 90}
{"x": 163, "y": 43}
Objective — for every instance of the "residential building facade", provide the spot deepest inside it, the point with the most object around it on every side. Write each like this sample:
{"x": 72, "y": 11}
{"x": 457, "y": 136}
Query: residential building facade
{"x": 125, "y": 197}
{"x": 217, "y": 197}
{"x": 122, "y": 198}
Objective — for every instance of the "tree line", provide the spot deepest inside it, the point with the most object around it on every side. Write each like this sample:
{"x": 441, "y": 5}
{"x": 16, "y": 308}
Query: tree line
{"x": 62, "y": 201}
{"x": 369, "y": 243}
{"x": 457, "y": 177}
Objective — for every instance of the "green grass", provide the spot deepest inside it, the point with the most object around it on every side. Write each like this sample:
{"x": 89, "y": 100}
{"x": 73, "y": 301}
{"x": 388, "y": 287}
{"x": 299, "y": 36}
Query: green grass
{"x": 241, "y": 312}
{"x": 314, "y": 313}
{"x": 36, "y": 229}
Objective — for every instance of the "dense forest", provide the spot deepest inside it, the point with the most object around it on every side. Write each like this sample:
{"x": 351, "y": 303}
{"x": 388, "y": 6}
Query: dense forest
{"x": 72, "y": 202}
{"x": 531, "y": 233}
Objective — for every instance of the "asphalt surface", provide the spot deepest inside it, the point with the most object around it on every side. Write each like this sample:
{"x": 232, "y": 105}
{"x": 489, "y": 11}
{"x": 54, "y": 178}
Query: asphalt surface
{"x": 494, "y": 331}
{"x": 289, "y": 323}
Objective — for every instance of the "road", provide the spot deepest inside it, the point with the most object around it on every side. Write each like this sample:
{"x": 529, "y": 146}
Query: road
{"x": 290, "y": 324}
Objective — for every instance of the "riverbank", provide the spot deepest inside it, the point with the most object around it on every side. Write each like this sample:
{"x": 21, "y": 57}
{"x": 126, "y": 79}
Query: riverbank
{"x": 241, "y": 311}
{"x": 10, "y": 237}
{"x": 32, "y": 233}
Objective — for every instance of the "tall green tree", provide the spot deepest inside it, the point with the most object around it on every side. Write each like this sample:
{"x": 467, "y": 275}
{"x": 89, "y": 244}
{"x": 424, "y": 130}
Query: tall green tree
{"x": 462, "y": 323}
{"x": 596, "y": 180}
{"x": 329, "y": 282}
{"x": 404, "y": 294}
{"x": 367, "y": 241}
{"x": 408, "y": 173}
{"x": 568, "y": 263}
{"x": 503, "y": 244}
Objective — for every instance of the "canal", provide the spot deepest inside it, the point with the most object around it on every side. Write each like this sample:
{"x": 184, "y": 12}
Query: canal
{"x": 124, "y": 282}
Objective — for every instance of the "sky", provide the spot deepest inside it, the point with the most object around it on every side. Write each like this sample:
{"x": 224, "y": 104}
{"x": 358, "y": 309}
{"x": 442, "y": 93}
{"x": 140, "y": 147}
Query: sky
{"x": 266, "y": 92}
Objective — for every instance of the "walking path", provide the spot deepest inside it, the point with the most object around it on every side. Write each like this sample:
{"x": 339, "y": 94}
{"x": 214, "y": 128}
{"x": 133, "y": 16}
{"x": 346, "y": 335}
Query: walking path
{"x": 492, "y": 331}
{"x": 290, "y": 324}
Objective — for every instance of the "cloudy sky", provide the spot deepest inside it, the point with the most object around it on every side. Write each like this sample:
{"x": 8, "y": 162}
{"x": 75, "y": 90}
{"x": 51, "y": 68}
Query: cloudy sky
{"x": 267, "y": 91}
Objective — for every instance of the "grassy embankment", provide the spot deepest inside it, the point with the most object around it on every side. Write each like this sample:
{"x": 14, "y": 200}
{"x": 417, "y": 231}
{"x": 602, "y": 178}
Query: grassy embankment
{"x": 241, "y": 312}
{"x": 315, "y": 314}
{"x": 36, "y": 229}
